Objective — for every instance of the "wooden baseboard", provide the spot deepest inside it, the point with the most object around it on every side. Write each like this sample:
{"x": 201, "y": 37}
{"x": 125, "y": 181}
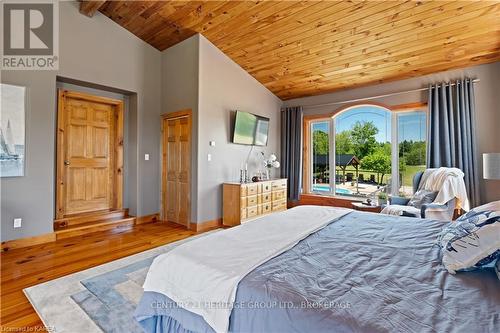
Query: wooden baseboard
{"x": 205, "y": 226}
{"x": 148, "y": 218}
{"x": 28, "y": 241}
{"x": 51, "y": 237}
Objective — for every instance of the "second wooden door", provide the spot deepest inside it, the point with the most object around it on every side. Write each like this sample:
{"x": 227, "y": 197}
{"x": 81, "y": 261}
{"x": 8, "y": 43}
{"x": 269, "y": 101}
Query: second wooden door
{"x": 177, "y": 167}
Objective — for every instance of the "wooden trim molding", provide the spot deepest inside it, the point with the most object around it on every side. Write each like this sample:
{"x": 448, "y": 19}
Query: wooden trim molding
{"x": 177, "y": 114}
{"x": 152, "y": 218}
{"x": 118, "y": 158}
{"x": 409, "y": 107}
{"x": 28, "y": 241}
{"x": 205, "y": 226}
{"x": 60, "y": 155}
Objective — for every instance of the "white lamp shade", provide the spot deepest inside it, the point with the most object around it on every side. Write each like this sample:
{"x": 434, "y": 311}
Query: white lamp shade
{"x": 491, "y": 166}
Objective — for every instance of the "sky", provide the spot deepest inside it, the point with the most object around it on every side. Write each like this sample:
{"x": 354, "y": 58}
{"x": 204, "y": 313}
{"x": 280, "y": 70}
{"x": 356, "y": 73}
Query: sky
{"x": 412, "y": 125}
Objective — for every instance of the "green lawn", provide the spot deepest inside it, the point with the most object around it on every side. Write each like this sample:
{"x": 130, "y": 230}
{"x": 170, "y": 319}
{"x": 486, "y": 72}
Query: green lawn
{"x": 407, "y": 174}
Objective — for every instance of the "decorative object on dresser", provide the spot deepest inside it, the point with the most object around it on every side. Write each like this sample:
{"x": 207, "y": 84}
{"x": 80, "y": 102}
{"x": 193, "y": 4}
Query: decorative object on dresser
{"x": 242, "y": 202}
{"x": 269, "y": 163}
{"x": 244, "y": 174}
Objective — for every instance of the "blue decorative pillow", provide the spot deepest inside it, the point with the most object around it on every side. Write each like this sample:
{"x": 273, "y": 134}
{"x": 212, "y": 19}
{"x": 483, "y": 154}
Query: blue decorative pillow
{"x": 472, "y": 241}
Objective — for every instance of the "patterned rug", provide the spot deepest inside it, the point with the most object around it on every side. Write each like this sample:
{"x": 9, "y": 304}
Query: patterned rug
{"x": 99, "y": 299}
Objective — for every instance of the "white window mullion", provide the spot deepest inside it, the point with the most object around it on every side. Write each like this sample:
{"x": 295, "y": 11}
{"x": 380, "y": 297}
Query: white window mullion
{"x": 311, "y": 159}
{"x": 332, "y": 157}
{"x": 394, "y": 154}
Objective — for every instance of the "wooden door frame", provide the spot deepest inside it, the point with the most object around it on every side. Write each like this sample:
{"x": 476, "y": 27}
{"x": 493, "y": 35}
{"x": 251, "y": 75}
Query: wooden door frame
{"x": 164, "y": 117}
{"x": 117, "y": 158}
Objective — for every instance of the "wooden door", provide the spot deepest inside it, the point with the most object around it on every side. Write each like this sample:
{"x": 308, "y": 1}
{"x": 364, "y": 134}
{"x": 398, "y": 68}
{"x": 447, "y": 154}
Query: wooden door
{"x": 176, "y": 167}
{"x": 90, "y": 145}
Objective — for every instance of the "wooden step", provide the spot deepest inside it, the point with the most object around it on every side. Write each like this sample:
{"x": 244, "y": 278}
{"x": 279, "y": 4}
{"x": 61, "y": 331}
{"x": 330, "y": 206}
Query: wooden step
{"x": 117, "y": 224}
{"x": 83, "y": 218}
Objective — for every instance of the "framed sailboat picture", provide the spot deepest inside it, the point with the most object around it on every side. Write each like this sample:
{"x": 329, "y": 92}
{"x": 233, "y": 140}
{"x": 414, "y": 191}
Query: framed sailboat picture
{"x": 12, "y": 130}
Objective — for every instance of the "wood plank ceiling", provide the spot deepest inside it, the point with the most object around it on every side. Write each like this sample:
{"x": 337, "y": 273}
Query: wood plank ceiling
{"x": 303, "y": 48}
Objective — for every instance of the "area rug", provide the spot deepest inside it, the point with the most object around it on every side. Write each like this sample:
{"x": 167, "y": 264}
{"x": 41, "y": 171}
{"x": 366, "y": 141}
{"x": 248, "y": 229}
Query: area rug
{"x": 99, "y": 299}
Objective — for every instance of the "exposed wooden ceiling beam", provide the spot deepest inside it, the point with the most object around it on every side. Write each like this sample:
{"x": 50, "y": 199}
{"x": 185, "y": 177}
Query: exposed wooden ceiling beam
{"x": 89, "y": 8}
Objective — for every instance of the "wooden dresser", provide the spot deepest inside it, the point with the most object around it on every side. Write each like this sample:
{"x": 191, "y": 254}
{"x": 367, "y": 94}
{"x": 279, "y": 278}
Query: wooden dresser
{"x": 242, "y": 202}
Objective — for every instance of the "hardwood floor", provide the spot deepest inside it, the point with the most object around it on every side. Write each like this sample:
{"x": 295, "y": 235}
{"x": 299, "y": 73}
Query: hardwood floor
{"x": 29, "y": 266}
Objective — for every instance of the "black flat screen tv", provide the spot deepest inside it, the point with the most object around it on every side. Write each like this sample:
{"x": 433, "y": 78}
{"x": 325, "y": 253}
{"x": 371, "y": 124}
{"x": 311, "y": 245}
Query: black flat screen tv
{"x": 250, "y": 129}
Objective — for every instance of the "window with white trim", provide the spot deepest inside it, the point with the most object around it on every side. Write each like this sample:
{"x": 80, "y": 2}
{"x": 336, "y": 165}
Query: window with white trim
{"x": 365, "y": 150}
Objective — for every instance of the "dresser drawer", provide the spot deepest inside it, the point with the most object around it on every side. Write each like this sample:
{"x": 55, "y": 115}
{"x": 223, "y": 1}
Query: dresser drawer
{"x": 252, "y": 211}
{"x": 252, "y": 200}
{"x": 265, "y": 187}
{"x": 278, "y": 184}
{"x": 279, "y": 195}
{"x": 243, "y": 213}
{"x": 243, "y": 202}
{"x": 264, "y": 197}
{"x": 265, "y": 208}
{"x": 279, "y": 205}
{"x": 251, "y": 189}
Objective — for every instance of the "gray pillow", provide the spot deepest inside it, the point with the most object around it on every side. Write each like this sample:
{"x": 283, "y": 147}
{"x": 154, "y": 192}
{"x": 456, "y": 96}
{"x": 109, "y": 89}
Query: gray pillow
{"x": 422, "y": 197}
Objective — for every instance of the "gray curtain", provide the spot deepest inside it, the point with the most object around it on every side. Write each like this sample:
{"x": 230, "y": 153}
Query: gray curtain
{"x": 291, "y": 150}
{"x": 452, "y": 129}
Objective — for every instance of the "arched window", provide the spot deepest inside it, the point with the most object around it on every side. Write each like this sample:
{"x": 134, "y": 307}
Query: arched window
{"x": 365, "y": 150}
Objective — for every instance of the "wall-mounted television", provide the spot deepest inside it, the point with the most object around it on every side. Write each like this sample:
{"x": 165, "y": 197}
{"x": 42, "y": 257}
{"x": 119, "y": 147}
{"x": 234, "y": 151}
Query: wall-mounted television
{"x": 250, "y": 129}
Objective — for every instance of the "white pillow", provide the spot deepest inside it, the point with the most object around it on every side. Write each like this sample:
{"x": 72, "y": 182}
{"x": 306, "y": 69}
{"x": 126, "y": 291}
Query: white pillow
{"x": 471, "y": 242}
{"x": 491, "y": 206}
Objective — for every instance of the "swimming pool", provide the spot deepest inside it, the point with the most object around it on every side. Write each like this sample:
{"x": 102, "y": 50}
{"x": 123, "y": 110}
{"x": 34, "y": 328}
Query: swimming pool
{"x": 326, "y": 188}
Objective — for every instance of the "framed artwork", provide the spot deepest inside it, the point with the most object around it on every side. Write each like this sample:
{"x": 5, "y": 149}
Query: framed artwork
{"x": 12, "y": 130}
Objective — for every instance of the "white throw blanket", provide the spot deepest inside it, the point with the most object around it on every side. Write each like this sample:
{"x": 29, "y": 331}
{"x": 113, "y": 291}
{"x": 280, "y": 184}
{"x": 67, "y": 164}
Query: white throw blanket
{"x": 449, "y": 183}
{"x": 202, "y": 275}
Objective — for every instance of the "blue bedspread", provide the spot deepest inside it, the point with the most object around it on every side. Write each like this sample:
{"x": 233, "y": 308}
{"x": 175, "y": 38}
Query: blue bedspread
{"x": 362, "y": 273}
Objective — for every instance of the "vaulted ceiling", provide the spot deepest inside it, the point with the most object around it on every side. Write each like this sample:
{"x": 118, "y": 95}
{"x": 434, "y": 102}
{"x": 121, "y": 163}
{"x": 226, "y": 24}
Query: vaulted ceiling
{"x": 302, "y": 48}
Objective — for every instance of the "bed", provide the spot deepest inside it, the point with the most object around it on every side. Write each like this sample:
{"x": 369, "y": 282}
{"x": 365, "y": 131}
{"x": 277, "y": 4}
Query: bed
{"x": 360, "y": 272}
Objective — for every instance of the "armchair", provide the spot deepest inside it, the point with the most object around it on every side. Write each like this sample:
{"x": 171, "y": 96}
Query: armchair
{"x": 430, "y": 211}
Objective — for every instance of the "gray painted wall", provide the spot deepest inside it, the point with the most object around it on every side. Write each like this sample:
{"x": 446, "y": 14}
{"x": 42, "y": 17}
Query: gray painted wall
{"x": 487, "y": 93}
{"x": 179, "y": 83}
{"x": 224, "y": 87}
{"x": 93, "y": 50}
{"x": 198, "y": 76}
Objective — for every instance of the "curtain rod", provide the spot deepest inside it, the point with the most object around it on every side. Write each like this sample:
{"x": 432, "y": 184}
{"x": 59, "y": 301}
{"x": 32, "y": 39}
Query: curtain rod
{"x": 379, "y": 96}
